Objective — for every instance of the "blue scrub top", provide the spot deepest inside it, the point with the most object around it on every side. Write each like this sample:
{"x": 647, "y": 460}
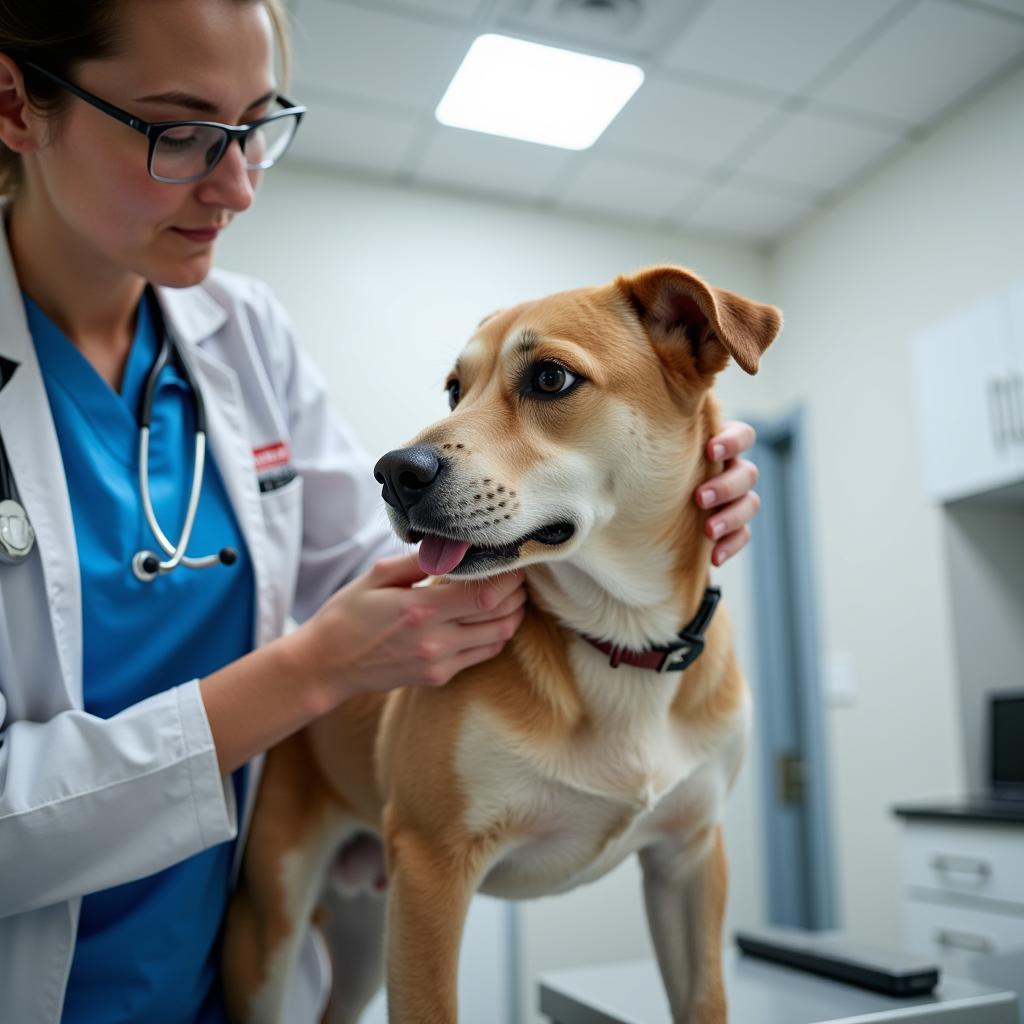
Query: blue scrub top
{"x": 146, "y": 950}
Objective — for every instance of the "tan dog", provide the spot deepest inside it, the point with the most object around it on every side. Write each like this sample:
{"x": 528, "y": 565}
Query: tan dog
{"x": 575, "y": 446}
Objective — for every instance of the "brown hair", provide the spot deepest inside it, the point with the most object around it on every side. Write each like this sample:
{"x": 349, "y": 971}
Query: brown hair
{"x": 58, "y": 35}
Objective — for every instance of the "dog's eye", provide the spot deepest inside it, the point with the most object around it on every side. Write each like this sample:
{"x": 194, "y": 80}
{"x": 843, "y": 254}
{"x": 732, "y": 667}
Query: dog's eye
{"x": 454, "y": 393}
{"x": 551, "y": 379}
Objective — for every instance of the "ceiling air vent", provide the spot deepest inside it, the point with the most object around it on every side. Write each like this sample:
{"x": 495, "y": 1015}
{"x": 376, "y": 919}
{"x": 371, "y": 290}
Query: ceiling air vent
{"x": 609, "y": 15}
{"x": 627, "y": 28}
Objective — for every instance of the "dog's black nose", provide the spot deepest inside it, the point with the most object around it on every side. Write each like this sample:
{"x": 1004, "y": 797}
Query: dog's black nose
{"x": 406, "y": 474}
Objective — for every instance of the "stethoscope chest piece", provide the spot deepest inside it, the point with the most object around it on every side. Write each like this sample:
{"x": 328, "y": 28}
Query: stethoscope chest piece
{"x": 16, "y": 533}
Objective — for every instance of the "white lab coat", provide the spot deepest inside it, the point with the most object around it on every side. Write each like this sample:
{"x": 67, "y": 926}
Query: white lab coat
{"x": 88, "y": 803}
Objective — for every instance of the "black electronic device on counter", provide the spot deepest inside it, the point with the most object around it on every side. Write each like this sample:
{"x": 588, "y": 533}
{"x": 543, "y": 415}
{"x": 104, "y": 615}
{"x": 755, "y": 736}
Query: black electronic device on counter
{"x": 1006, "y": 747}
{"x": 832, "y": 956}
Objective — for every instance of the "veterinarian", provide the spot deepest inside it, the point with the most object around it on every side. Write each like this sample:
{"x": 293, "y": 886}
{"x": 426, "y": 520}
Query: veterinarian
{"x": 138, "y": 685}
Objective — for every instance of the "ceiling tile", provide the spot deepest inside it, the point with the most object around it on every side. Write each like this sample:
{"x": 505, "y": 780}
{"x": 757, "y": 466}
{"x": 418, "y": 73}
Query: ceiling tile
{"x": 819, "y": 152}
{"x": 678, "y": 120}
{"x": 937, "y": 53}
{"x": 744, "y": 214}
{"x": 780, "y": 45}
{"x": 618, "y": 189}
{"x": 376, "y": 55}
{"x": 489, "y": 163}
{"x": 353, "y": 138}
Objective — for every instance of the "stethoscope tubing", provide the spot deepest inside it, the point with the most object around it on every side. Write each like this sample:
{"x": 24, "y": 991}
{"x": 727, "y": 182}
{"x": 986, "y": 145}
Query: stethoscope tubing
{"x": 177, "y": 554}
{"x": 146, "y": 565}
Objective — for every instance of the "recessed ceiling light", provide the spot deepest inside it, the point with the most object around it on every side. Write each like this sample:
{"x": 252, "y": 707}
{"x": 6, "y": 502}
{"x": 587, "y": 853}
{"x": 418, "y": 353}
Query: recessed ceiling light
{"x": 543, "y": 94}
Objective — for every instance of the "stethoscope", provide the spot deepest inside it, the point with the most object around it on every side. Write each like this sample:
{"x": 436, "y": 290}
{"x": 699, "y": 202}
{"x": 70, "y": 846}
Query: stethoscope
{"x": 16, "y": 533}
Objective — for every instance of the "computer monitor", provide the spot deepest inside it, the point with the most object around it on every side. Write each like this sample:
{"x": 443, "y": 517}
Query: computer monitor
{"x": 1006, "y": 738}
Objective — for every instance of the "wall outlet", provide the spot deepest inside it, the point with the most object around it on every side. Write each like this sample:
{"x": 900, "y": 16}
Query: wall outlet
{"x": 840, "y": 681}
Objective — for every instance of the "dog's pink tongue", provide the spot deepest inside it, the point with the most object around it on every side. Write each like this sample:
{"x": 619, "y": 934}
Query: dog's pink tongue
{"x": 438, "y": 555}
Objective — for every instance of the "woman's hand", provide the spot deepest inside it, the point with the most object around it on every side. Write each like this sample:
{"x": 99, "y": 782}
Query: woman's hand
{"x": 730, "y": 493}
{"x": 380, "y": 632}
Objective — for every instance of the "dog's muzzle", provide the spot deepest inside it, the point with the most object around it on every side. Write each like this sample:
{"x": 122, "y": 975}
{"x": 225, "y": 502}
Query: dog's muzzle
{"x": 416, "y": 483}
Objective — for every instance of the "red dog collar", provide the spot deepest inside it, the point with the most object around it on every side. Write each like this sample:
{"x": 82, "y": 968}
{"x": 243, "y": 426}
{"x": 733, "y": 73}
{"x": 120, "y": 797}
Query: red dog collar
{"x": 674, "y": 657}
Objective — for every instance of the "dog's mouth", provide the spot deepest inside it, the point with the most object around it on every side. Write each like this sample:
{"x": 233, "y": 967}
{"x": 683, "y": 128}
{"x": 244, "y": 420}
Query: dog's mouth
{"x": 439, "y": 555}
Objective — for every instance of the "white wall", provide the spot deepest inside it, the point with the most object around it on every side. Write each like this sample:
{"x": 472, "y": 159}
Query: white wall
{"x": 385, "y": 285}
{"x": 931, "y": 232}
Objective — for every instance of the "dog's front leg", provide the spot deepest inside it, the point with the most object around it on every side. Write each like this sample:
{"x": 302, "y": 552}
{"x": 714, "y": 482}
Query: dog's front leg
{"x": 430, "y": 884}
{"x": 684, "y": 890}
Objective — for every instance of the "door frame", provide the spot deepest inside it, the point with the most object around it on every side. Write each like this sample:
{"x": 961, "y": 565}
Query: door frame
{"x": 773, "y": 436}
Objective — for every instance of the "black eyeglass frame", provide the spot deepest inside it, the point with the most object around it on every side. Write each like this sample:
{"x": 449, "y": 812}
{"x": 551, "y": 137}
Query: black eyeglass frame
{"x": 154, "y": 129}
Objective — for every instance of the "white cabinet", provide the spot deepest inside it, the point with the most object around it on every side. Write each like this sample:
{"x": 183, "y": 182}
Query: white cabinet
{"x": 963, "y": 889}
{"x": 970, "y": 388}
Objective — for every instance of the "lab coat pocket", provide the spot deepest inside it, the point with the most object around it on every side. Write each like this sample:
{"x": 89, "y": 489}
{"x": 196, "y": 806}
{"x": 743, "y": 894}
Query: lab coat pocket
{"x": 282, "y": 521}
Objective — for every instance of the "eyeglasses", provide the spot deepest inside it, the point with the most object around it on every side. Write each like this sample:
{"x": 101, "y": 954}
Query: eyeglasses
{"x": 181, "y": 152}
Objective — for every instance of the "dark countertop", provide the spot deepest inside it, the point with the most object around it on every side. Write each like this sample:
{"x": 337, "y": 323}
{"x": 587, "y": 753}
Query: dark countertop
{"x": 964, "y": 811}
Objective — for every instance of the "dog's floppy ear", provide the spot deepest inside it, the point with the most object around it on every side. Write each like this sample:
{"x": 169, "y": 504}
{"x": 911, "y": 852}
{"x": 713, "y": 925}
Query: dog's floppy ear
{"x": 669, "y": 299}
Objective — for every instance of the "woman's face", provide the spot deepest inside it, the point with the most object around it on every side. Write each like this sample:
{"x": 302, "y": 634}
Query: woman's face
{"x": 178, "y": 59}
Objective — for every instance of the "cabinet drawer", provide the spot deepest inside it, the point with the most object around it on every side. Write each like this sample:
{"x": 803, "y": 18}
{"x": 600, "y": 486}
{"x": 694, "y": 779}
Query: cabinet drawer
{"x": 975, "y": 860}
{"x": 952, "y": 933}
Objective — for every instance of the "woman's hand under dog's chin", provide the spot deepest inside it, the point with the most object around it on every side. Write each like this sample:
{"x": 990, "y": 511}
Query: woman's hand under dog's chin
{"x": 381, "y": 631}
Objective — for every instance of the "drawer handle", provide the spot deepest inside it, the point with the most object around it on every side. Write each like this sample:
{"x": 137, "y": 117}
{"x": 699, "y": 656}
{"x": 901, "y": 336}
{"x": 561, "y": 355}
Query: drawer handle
{"x": 963, "y": 940}
{"x": 948, "y": 864}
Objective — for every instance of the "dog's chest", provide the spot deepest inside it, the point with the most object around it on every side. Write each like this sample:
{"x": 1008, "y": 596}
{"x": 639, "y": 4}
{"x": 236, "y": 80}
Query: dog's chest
{"x": 574, "y": 809}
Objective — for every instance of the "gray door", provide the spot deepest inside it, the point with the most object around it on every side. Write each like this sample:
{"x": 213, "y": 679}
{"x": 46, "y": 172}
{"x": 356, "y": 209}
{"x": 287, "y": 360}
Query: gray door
{"x": 797, "y": 840}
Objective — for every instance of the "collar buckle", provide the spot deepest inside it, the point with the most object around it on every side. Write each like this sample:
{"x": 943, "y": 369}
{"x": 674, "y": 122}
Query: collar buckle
{"x": 681, "y": 656}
